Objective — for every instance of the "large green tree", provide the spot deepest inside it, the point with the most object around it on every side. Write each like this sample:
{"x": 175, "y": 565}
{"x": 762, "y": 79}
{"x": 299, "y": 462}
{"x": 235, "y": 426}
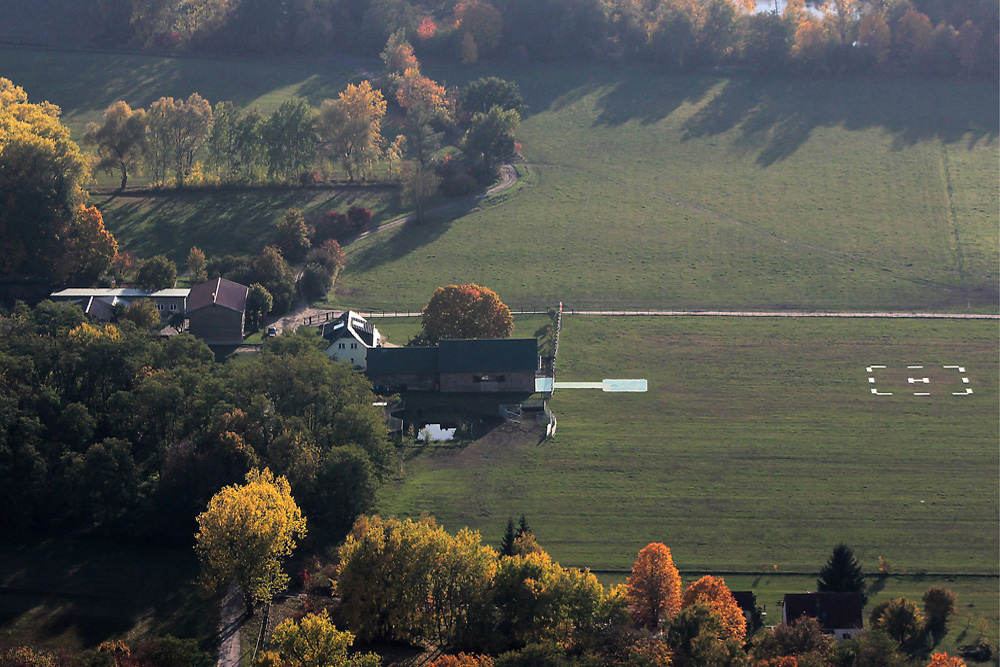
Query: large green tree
{"x": 490, "y": 137}
{"x": 177, "y": 131}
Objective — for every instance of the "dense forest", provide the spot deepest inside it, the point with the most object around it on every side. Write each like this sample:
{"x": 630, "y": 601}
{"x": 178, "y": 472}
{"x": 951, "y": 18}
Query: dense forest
{"x": 937, "y": 37}
{"x": 113, "y": 429}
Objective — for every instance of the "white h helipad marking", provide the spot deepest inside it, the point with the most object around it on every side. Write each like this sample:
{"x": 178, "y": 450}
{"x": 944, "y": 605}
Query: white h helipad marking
{"x": 965, "y": 380}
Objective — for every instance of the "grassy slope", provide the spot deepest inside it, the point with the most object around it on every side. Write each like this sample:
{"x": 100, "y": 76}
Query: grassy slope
{"x": 706, "y": 192}
{"x": 76, "y": 594}
{"x": 673, "y": 191}
{"x": 224, "y": 222}
{"x": 758, "y": 442}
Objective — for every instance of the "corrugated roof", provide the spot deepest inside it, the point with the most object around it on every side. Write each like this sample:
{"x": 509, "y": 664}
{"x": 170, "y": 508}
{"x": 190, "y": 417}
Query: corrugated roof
{"x": 402, "y": 361}
{"x": 832, "y": 610}
{"x": 122, "y": 292}
{"x": 220, "y": 292}
{"x": 488, "y": 355}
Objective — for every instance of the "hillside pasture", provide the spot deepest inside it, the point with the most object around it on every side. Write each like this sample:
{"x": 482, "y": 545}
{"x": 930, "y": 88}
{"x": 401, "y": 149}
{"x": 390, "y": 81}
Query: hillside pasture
{"x": 655, "y": 190}
{"x": 759, "y": 443}
{"x": 725, "y": 193}
{"x": 239, "y": 221}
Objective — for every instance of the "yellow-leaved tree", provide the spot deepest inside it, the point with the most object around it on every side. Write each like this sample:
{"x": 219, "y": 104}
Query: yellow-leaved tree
{"x": 313, "y": 642}
{"x": 714, "y": 592}
{"x": 245, "y": 533}
{"x": 351, "y": 126}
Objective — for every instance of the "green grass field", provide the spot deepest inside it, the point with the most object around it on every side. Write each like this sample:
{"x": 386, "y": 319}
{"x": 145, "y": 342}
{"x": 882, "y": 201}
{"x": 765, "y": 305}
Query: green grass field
{"x": 650, "y": 190}
{"x": 696, "y": 192}
{"x": 759, "y": 443}
{"x": 221, "y": 222}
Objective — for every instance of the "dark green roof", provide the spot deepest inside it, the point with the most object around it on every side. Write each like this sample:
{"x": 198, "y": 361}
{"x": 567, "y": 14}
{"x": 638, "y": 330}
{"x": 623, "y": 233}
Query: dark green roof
{"x": 495, "y": 355}
{"x": 402, "y": 361}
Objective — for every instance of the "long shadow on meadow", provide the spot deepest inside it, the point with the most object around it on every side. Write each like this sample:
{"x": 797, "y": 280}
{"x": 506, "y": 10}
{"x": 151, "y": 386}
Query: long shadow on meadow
{"x": 412, "y": 237}
{"x": 776, "y": 117}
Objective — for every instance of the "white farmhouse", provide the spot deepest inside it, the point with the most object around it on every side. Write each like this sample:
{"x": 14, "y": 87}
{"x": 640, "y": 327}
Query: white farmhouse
{"x": 348, "y": 339}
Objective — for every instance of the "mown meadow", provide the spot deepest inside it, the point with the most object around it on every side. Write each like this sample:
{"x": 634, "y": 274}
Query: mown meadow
{"x": 644, "y": 189}
{"x": 758, "y": 447}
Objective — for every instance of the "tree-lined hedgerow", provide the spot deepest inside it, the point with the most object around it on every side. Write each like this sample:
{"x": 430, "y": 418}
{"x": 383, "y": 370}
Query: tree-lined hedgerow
{"x": 942, "y": 38}
{"x": 190, "y": 142}
{"x": 412, "y": 581}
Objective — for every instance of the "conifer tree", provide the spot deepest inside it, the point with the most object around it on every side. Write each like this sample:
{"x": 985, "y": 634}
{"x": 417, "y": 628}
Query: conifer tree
{"x": 507, "y": 542}
{"x": 842, "y": 573}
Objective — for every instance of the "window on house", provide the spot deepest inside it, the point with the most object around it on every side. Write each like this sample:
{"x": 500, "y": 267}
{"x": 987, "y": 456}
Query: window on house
{"x": 354, "y": 346}
{"x": 159, "y": 306}
{"x": 173, "y": 306}
{"x": 341, "y": 346}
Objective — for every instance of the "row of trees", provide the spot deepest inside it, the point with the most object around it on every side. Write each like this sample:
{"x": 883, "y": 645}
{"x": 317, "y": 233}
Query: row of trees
{"x": 412, "y": 581}
{"x": 110, "y": 427}
{"x": 862, "y": 34}
{"x": 298, "y": 142}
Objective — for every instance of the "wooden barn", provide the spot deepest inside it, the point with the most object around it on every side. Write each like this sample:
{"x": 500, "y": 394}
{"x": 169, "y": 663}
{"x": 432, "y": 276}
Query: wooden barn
{"x": 466, "y": 366}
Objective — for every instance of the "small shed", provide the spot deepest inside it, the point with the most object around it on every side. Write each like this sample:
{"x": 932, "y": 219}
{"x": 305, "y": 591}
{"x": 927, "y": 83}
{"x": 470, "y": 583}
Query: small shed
{"x": 217, "y": 311}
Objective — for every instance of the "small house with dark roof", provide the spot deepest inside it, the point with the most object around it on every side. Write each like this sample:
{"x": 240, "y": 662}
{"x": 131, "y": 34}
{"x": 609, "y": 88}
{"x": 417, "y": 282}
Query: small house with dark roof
{"x": 216, "y": 311}
{"x": 839, "y": 614}
{"x": 99, "y": 302}
{"x": 349, "y": 338}
{"x": 471, "y": 366}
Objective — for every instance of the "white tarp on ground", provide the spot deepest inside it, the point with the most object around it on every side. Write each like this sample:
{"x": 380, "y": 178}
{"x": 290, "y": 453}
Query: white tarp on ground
{"x": 604, "y": 385}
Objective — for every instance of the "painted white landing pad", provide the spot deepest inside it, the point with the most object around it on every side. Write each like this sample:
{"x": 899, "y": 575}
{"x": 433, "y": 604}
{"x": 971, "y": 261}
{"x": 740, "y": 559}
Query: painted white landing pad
{"x": 605, "y": 385}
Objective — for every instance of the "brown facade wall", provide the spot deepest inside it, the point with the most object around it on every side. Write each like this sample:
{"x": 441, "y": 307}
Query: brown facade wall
{"x": 466, "y": 382}
{"x": 217, "y": 325}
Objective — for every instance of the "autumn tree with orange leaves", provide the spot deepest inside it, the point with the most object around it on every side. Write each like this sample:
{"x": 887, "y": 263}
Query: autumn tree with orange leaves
{"x": 88, "y": 247}
{"x": 714, "y": 592}
{"x": 654, "y": 588}
{"x": 945, "y": 660}
{"x": 465, "y": 311}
